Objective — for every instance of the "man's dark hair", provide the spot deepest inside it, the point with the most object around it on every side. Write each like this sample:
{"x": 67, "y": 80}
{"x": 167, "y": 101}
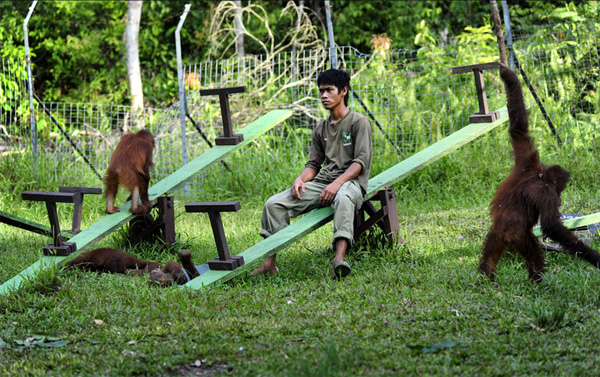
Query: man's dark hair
{"x": 337, "y": 77}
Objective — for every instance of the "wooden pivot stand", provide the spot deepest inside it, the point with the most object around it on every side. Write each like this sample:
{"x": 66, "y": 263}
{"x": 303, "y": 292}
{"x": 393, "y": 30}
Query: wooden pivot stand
{"x": 386, "y": 218}
{"x": 227, "y": 137}
{"x": 65, "y": 195}
{"x": 225, "y": 261}
{"x": 164, "y": 225}
{"x": 484, "y": 115}
{"x": 79, "y": 203}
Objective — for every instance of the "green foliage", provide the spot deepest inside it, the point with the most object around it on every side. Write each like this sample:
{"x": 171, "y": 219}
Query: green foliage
{"x": 78, "y": 48}
{"x": 79, "y": 52}
{"x": 572, "y": 61}
{"x": 16, "y": 174}
{"x": 357, "y": 21}
{"x": 14, "y": 105}
{"x": 11, "y": 27}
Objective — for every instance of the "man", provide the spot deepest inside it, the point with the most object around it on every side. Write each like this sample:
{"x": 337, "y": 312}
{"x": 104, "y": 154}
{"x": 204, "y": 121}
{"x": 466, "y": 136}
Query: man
{"x": 336, "y": 173}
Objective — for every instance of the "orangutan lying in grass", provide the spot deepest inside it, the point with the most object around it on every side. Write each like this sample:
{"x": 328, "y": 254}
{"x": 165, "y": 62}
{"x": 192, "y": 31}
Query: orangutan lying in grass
{"x": 119, "y": 262}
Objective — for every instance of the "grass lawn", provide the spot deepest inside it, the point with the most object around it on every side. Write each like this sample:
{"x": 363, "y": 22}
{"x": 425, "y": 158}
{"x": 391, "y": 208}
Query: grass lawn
{"x": 418, "y": 309}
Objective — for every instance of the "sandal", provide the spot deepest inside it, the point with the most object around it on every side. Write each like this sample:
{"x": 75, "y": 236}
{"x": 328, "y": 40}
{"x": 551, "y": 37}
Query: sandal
{"x": 341, "y": 269}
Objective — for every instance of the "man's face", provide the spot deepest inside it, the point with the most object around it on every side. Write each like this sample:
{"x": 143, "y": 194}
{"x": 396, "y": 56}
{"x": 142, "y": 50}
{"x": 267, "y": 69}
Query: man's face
{"x": 331, "y": 97}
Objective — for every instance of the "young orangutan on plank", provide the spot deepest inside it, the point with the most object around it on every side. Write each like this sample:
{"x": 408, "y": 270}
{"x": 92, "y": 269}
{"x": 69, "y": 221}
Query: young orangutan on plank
{"x": 118, "y": 262}
{"x": 130, "y": 167}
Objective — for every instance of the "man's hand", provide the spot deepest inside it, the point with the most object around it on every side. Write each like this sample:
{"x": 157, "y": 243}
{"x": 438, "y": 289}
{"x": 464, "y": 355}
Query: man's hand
{"x": 296, "y": 187}
{"x": 329, "y": 193}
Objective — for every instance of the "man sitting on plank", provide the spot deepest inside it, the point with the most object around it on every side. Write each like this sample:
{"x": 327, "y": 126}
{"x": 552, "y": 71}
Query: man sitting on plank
{"x": 336, "y": 174}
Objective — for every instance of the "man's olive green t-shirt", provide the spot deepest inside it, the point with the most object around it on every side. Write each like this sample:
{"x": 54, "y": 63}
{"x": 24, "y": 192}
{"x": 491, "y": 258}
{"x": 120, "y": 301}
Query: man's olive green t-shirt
{"x": 336, "y": 146}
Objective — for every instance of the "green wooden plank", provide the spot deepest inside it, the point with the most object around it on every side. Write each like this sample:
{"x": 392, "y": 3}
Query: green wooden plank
{"x": 315, "y": 219}
{"x": 269, "y": 246}
{"x": 106, "y": 225}
{"x": 433, "y": 153}
{"x": 574, "y": 223}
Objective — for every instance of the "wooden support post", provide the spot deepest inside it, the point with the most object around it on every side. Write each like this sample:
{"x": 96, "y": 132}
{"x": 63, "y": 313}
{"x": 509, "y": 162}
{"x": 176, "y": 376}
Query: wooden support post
{"x": 227, "y": 137}
{"x": 141, "y": 227}
{"x": 484, "y": 115}
{"x": 166, "y": 211}
{"x": 225, "y": 261}
{"x": 42, "y": 229}
{"x": 390, "y": 223}
{"x": 386, "y": 217}
{"x": 76, "y": 227}
{"x": 58, "y": 247}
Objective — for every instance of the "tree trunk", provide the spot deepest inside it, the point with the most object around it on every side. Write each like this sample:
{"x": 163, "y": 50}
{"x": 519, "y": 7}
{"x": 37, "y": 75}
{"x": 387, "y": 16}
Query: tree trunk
{"x": 498, "y": 29}
{"x": 132, "y": 29}
{"x": 239, "y": 29}
{"x": 294, "y": 44}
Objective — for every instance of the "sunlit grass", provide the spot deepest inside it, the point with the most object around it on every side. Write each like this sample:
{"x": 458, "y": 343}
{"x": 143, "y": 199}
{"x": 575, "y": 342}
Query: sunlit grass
{"x": 416, "y": 309}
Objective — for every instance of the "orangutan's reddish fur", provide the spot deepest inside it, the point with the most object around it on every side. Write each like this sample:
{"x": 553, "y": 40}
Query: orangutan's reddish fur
{"x": 118, "y": 262}
{"x": 110, "y": 260}
{"x": 130, "y": 167}
{"x": 531, "y": 192}
{"x": 172, "y": 271}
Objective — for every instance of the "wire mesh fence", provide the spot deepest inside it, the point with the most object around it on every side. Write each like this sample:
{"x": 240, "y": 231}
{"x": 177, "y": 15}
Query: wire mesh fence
{"x": 14, "y": 133}
{"x": 80, "y": 138}
{"x": 562, "y": 64}
{"x": 411, "y": 97}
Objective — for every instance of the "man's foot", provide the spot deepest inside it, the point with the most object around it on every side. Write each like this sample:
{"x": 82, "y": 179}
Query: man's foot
{"x": 341, "y": 269}
{"x": 265, "y": 270}
{"x": 267, "y": 267}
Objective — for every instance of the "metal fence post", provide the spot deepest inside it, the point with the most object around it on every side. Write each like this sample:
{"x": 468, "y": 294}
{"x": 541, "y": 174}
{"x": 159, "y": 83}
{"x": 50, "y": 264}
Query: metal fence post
{"x": 182, "y": 99}
{"x": 332, "y": 52}
{"x": 509, "y": 40}
{"x": 30, "y": 87}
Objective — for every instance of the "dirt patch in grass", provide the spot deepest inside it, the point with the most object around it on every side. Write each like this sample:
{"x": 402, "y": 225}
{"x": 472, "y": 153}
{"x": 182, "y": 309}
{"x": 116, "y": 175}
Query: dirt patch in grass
{"x": 198, "y": 369}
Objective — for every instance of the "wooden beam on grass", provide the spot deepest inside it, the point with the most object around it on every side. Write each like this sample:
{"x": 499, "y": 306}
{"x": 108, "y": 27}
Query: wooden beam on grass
{"x": 29, "y": 225}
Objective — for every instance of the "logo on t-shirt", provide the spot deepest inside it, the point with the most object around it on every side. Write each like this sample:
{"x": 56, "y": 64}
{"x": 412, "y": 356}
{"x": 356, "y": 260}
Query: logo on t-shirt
{"x": 346, "y": 139}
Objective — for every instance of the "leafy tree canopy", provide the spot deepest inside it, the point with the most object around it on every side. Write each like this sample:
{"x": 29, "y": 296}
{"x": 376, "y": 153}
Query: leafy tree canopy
{"x": 355, "y": 22}
{"x": 78, "y": 51}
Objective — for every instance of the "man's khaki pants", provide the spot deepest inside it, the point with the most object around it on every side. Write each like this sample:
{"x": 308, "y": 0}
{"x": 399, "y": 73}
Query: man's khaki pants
{"x": 280, "y": 208}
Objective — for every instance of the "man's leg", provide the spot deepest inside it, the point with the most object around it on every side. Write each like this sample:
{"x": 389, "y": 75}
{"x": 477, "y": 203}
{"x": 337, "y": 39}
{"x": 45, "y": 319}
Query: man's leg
{"x": 348, "y": 199}
{"x": 278, "y": 211}
{"x": 341, "y": 246}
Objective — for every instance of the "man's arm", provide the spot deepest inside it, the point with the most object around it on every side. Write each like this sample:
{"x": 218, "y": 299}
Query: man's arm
{"x": 331, "y": 190}
{"x": 306, "y": 175}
